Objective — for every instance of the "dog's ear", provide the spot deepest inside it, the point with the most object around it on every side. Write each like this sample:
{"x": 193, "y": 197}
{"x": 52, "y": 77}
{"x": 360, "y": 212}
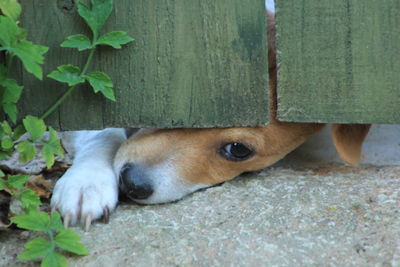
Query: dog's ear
{"x": 348, "y": 140}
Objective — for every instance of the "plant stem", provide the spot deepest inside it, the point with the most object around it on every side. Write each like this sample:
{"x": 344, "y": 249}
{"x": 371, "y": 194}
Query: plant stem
{"x": 88, "y": 61}
{"x": 70, "y": 89}
{"x": 52, "y": 242}
{"x": 58, "y": 102}
{"x": 51, "y": 236}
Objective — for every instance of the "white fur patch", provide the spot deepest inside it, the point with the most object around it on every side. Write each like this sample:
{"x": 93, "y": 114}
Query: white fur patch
{"x": 168, "y": 186}
{"x": 84, "y": 190}
{"x": 90, "y": 186}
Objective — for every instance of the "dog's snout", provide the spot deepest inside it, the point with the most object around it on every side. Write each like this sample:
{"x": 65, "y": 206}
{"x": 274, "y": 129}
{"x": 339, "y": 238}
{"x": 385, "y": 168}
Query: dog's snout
{"x": 134, "y": 182}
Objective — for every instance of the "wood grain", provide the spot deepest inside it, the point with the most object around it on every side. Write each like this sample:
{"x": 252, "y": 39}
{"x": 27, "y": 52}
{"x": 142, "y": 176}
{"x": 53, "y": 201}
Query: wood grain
{"x": 339, "y": 61}
{"x": 194, "y": 63}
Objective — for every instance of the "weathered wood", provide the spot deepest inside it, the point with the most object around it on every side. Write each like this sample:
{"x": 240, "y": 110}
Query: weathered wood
{"x": 194, "y": 63}
{"x": 339, "y": 60}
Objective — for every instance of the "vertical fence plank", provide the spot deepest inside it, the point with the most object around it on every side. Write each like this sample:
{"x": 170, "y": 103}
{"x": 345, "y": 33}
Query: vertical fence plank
{"x": 339, "y": 61}
{"x": 194, "y": 63}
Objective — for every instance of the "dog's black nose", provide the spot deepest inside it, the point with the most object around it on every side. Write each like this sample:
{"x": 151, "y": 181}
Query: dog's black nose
{"x": 134, "y": 182}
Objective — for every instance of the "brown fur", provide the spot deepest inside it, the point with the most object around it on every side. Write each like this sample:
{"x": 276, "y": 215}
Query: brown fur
{"x": 348, "y": 139}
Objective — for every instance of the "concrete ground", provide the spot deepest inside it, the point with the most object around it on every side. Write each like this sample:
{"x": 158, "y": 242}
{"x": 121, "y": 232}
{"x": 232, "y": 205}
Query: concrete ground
{"x": 330, "y": 216}
{"x": 294, "y": 214}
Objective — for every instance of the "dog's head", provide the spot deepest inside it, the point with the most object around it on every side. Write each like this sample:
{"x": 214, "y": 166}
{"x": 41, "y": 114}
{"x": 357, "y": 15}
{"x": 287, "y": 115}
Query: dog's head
{"x": 158, "y": 166}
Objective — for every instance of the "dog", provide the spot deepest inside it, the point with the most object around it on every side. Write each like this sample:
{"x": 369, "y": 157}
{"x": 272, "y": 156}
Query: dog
{"x": 152, "y": 166}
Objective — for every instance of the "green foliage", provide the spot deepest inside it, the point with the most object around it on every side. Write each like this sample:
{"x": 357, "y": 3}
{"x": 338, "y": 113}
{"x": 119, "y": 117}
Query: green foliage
{"x": 58, "y": 238}
{"x": 100, "y": 82}
{"x": 31, "y": 56}
{"x": 70, "y": 241}
{"x": 69, "y": 74}
{"x": 14, "y": 185}
{"x": 52, "y": 147}
{"x": 79, "y": 41}
{"x": 95, "y": 17}
{"x": 29, "y": 199}
{"x": 54, "y": 260}
{"x": 11, "y": 94}
{"x": 114, "y": 39}
{"x": 10, "y": 8}
{"x": 8, "y": 138}
{"x": 35, "y": 248}
{"x": 34, "y": 220}
{"x": 34, "y": 126}
{"x": 13, "y": 41}
{"x": 27, "y": 151}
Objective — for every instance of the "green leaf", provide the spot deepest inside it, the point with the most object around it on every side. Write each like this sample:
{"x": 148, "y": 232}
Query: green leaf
{"x": 34, "y": 220}
{"x": 12, "y": 39}
{"x": 11, "y": 110}
{"x": 17, "y": 181}
{"x": 51, "y": 148}
{"x": 5, "y": 128}
{"x": 67, "y": 74}
{"x": 100, "y": 82}
{"x": 10, "y": 8}
{"x": 2, "y": 174}
{"x": 48, "y": 155}
{"x": 55, "y": 142}
{"x": 26, "y": 151}
{"x": 53, "y": 136}
{"x": 79, "y": 41}
{"x": 35, "y": 248}
{"x": 97, "y": 15}
{"x": 34, "y": 126}
{"x": 13, "y": 90}
{"x": 11, "y": 94}
{"x": 70, "y": 241}
{"x": 18, "y": 132}
{"x": 55, "y": 222}
{"x": 31, "y": 56}
{"x": 114, "y": 39}
{"x": 54, "y": 259}
{"x": 10, "y": 33}
{"x": 7, "y": 143}
{"x": 30, "y": 201}
{"x": 2, "y": 184}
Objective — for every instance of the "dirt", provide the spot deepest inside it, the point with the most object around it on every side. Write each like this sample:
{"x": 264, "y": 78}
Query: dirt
{"x": 334, "y": 216}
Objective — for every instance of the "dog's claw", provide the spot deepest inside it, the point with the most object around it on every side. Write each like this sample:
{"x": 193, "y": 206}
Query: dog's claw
{"x": 85, "y": 200}
{"x": 67, "y": 220}
{"x": 88, "y": 222}
{"x": 106, "y": 214}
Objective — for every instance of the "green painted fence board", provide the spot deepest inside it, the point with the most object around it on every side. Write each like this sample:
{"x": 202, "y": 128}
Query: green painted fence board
{"x": 339, "y": 60}
{"x": 194, "y": 63}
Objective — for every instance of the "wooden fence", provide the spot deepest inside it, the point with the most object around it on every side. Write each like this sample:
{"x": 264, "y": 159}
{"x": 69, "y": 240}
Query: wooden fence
{"x": 339, "y": 60}
{"x": 194, "y": 63}
{"x": 203, "y": 63}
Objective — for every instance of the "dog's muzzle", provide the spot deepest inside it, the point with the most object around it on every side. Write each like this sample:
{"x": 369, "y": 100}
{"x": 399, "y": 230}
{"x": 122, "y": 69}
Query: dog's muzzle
{"x": 134, "y": 183}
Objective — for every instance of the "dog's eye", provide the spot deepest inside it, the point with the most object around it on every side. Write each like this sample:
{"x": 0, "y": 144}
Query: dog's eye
{"x": 236, "y": 151}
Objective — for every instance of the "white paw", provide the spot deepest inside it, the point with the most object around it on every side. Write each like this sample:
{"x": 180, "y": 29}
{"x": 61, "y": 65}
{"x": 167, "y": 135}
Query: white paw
{"x": 85, "y": 193}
